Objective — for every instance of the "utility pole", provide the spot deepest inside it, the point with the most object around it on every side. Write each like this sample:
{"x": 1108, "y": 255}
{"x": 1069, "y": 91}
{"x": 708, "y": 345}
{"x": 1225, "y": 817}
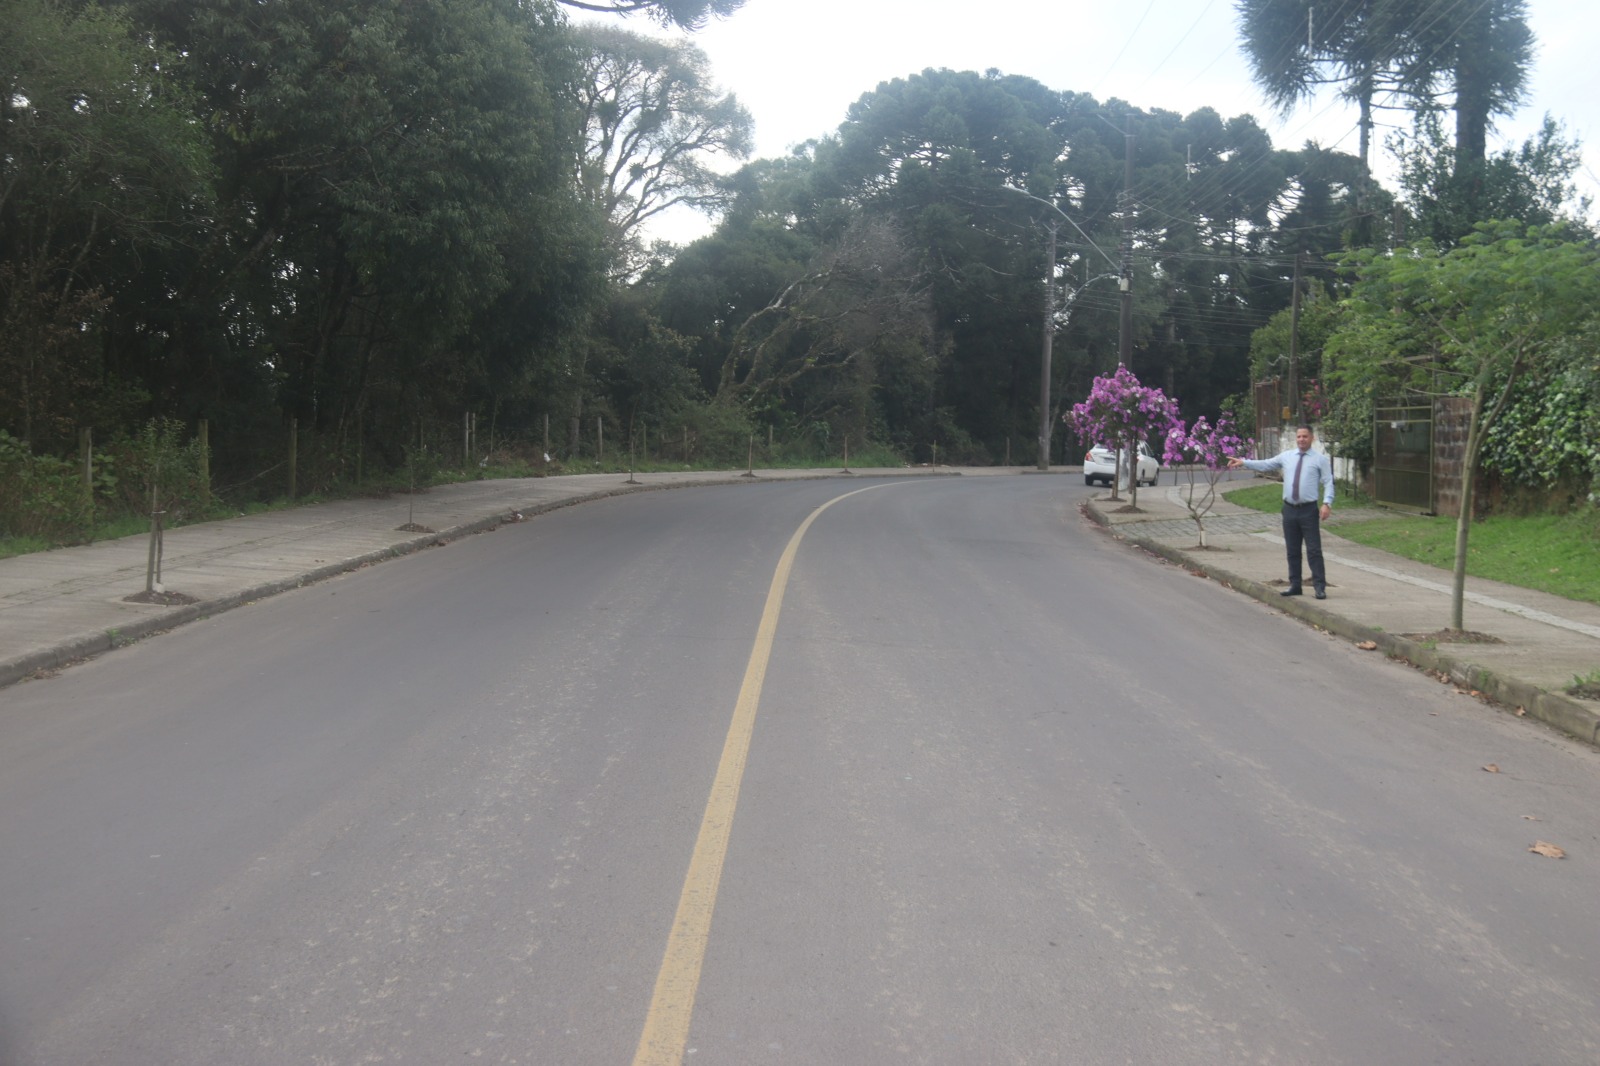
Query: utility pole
{"x": 1294, "y": 346}
{"x": 1044, "y": 357}
{"x": 1125, "y": 327}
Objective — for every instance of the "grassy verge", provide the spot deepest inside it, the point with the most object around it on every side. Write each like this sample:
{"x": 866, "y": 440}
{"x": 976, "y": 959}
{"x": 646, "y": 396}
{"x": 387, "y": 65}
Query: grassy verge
{"x": 1269, "y": 497}
{"x": 1558, "y": 554}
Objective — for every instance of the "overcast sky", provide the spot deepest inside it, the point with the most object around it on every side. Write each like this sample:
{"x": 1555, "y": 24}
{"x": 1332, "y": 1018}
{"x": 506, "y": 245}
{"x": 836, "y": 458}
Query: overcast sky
{"x": 798, "y": 65}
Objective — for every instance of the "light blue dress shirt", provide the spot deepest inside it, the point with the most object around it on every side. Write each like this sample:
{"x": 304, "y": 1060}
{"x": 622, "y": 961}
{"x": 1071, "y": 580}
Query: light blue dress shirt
{"x": 1316, "y": 474}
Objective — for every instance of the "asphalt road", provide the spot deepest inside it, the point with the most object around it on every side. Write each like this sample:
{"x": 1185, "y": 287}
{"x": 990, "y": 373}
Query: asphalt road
{"x": 1012, "y": 793}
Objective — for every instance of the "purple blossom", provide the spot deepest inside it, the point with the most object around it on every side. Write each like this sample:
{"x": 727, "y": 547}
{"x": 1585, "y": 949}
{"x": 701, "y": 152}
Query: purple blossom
{"x": 1206, "y": 444}
{"x": 1202, "y": 444}
{"x": 1120, "y": 409}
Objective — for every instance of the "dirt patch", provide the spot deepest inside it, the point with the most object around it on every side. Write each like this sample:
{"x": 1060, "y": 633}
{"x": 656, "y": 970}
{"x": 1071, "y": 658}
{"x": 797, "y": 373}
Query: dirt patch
{"x": 164, "y": 599}
{"x": 1453, "y": 636}
{"x": 1129, "y": 509}
{"x": 1589, "y": 690}
{"x": 412, "y": 527}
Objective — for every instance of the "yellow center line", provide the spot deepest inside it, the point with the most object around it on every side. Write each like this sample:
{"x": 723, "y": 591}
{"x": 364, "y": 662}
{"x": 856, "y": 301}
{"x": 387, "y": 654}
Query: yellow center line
{"x": 666, "y": 1027}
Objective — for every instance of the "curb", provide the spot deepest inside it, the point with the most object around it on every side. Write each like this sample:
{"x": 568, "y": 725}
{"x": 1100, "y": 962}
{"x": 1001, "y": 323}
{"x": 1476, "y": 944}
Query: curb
{"x": 1554, "y": 709}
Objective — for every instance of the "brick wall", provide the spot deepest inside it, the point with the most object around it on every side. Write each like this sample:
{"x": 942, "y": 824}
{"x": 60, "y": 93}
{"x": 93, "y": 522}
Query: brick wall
{"x": 1450, "y": 417}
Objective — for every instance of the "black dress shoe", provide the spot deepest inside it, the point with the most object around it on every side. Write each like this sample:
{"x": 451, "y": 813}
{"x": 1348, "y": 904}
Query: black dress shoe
{"x": 1321, "y": 595}
{"x": 1290, "y": 592}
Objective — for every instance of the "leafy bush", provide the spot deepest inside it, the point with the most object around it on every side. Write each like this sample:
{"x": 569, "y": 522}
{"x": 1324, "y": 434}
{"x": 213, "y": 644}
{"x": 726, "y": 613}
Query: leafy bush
{"x": 43, "y": 497}
{"x": 1547, "y": 433}
{"x": 719, "y": 433}
{"x": 161, "y": 456}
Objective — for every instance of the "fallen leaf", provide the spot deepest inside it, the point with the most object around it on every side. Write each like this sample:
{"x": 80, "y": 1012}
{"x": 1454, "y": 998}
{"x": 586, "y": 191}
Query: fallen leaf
{"x": 1548, "y": 850}
{"x": 1492, "y": 768}
{"x": 1368, "y": 645}
{"x": 1476, "y": 693}
{"x": 1521, "y": 711}
{"x": 1530, "y": 817}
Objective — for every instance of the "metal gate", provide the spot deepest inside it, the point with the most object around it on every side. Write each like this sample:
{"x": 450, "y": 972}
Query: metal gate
{"x": 1402, "y": 463}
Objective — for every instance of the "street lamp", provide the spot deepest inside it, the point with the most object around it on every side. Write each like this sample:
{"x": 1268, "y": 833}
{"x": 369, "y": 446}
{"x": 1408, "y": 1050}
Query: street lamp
{"x": 1050, "y": 315}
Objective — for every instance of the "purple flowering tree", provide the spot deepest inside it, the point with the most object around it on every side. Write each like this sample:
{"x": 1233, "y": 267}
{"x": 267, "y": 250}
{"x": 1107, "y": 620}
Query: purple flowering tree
{"x": 1120, "y": 413}
{"x": 1204, "y": 449}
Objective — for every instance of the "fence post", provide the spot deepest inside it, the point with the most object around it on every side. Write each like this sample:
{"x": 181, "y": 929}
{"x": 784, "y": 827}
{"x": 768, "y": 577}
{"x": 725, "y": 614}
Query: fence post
{"x": 152, "y": 573}
{"x": 205, "y": 461}
{"x": 86, "y": 449}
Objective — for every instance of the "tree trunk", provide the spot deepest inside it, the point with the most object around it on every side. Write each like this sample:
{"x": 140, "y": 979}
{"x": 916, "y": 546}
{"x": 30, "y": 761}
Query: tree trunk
{"x": 1469, "y": 464}
{"x": 1473, "y": 102}
{"x": 1133, "y": 472}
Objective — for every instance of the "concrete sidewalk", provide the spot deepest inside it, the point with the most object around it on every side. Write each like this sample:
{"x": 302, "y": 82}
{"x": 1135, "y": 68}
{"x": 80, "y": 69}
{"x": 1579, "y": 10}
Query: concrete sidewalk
{"x": 60, "y": 606}
{"x": 1399, "y": 606}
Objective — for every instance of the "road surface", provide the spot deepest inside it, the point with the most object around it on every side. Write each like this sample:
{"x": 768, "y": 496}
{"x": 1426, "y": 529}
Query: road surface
{"x": 968, "y": 783}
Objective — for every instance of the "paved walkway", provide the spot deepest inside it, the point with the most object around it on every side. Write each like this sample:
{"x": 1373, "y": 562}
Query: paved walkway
{"x": 60, "y": 606}
{"x": 1540, "y": 642}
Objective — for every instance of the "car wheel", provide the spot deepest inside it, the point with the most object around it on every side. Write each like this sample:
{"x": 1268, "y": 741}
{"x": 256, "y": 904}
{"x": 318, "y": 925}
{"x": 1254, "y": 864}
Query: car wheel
{"x": 1087, "y": 480}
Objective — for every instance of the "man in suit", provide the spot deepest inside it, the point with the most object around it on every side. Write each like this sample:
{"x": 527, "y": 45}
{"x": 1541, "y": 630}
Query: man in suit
{"x": 1307, "y": 478}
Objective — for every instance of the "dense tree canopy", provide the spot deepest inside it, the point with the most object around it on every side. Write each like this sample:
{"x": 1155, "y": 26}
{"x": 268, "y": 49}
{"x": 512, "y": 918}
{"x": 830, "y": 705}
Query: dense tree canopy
{"x": 971, "y": 169}
{"x": 103, "y": 173}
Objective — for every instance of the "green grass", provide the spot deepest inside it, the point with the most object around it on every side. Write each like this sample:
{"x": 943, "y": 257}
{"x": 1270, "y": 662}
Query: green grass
{"x": 10, "y": 546}
{"x": 109, "y": 529}
{"x": 1558, "y": 554}
{"x": 1269, "y": 497}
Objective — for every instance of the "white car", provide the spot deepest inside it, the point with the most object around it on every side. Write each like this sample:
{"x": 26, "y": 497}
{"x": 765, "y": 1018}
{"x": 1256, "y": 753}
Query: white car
{"x": 1100, "y": 464}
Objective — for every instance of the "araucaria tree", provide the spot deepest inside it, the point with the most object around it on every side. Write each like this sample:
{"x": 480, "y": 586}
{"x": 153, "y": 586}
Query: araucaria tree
{"x": 1123, "y": 412}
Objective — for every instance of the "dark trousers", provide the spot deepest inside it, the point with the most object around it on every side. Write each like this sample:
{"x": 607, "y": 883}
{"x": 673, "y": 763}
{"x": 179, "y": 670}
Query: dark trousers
{"x": 1303, "y": 525}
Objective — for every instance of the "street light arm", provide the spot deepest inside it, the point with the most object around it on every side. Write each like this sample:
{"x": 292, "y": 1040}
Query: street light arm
{"x": 1091, "y": 281}
{"x": 1070, "y": 222}
{"x": 1065, "y": 310}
